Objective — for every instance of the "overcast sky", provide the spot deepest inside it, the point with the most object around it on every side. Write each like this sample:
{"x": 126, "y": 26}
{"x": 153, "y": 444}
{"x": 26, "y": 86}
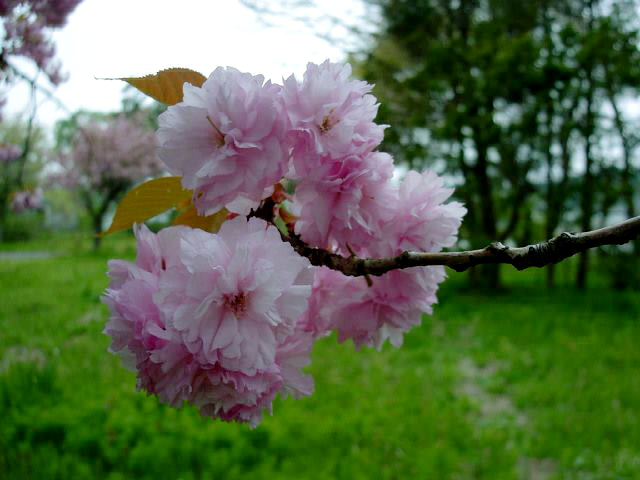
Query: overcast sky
{"x": 123, "y": 38}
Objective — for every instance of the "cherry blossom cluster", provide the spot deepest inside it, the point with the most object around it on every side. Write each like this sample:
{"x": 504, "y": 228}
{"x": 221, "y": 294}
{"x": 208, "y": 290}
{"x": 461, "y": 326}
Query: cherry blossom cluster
{"x": 213, "y": 319}
{"x": 26, "y": 31}
{"x": 225, "y": 321}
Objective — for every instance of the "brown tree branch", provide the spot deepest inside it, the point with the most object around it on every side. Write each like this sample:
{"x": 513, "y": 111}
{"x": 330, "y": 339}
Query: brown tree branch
{"x": 540, "y": 254}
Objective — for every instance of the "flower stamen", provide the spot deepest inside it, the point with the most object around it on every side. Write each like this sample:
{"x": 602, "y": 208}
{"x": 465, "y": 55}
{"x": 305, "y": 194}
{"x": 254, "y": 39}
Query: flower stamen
{"x": 218, "y": 135}
{"x": 237, "y": 303}
{"x": 328, "y": 123}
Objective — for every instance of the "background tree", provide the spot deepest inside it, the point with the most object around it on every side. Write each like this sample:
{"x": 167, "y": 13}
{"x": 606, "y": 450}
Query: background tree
{"x": 27, "y": 27}
{"x": 102, "y": 159}
{"x": 22, "y": 155}
{"x": 511, "y": 103}
{"x": 619, "y": 63}
{"x": 470, "y": 90}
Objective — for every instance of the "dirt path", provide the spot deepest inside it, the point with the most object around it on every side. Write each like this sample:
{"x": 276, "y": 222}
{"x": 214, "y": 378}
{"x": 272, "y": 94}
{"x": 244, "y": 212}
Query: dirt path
{"x": 25, "y": 255}
{"x": 493, "y": 409}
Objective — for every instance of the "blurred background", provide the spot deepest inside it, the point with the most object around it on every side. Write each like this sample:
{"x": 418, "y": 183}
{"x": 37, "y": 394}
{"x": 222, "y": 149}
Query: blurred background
{"x": 530, "y": 109}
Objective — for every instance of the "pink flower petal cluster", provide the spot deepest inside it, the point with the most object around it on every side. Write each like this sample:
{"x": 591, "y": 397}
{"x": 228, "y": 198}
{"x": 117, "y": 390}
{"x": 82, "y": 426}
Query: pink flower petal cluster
{"x": 421, "y": 219}
{"x": 393, "y": 305}
{"x": 344, "y": 187}
{"x": 343, "y": 202}
{"x": 346, "y": 202}
{"x": 370, "y": 315}
{"x": 227, "y": 139}
{"x": 415, "y": 217}
{"x": 212, "y": 320}
{"x": 331, "y": 115}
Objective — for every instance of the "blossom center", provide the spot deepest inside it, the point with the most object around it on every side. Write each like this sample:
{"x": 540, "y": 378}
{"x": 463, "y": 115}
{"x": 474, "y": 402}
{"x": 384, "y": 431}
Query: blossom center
{"x": 236, "y": 303}
{"x": 327, "y": 123}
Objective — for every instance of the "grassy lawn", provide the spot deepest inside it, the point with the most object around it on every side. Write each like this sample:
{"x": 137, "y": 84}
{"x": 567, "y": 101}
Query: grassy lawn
{"x": 524, "y": 384}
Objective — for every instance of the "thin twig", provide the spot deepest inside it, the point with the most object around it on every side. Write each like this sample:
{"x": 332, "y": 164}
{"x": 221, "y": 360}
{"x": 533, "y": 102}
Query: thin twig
{"x": 48, "y": 93}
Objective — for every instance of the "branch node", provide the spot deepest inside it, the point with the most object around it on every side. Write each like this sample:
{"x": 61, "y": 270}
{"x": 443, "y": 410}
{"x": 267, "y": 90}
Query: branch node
{"x": 497, "y": 247}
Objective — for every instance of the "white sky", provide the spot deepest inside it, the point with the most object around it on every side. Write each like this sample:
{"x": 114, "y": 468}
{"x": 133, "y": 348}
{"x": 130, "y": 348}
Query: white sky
{"x": 124, "y": 38}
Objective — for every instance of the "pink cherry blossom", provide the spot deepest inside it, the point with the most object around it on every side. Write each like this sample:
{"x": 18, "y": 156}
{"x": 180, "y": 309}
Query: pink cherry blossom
{"x": 230, "y": 300}
{"x": 227, "y": 139}
{"x": 212, "y": 320}
{"x": 421, "y": 221}
{"x": 330, "y": 115}
{"x": 415, "y": 218}
{"x": 328, "y": 291}
{"x": 394, "y": 304}
{"x": 343, "y": 203}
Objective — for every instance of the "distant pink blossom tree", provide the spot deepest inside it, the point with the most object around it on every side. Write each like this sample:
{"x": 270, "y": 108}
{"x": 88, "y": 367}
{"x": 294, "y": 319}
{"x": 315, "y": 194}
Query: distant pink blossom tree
{"x": 27, "y": 200}
{"x": 104, "y": 160}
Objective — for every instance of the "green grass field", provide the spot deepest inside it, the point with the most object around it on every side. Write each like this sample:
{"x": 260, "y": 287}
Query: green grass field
{"x": 523, "y": 384}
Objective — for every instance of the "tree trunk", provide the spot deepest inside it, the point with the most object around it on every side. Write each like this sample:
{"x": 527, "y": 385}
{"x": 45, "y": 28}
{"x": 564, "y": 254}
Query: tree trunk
{"x": 587, "y": 184}
{"x": 470, "y": 221}
{"x": 554, "y": 215}
{"x": 552, "y": 209}
{"x": 3, "y": 216}
{"x": 97, "y": 229}
{"x": 97, "y": 215}
{"x": 491, "y": 276}
{"x": 551, "y": 276}
{"x": 627, "y": 170}
{"x": 587, "y": 191}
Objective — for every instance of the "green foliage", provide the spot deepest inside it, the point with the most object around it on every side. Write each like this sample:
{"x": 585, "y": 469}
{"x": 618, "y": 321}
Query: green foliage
{"x": 22, "y": 226}
{"x": 621, "y": 268}
{"x": 506, "y": 386}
